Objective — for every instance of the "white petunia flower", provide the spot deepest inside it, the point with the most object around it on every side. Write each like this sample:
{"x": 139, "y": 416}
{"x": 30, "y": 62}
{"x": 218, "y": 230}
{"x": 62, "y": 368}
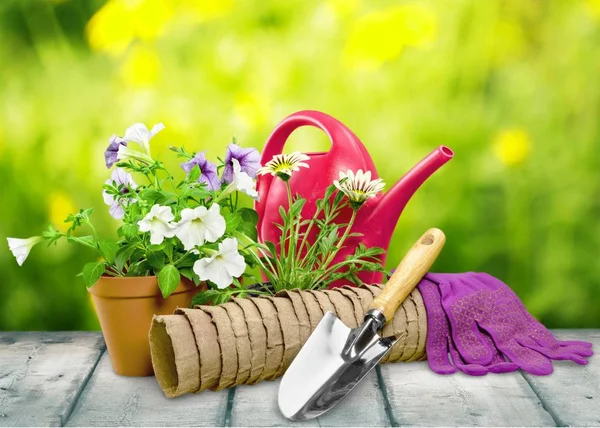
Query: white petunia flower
{"x": 21, "y": 247}
{"x": 158, "y": 223}
{"x": 284, "y": 165}
{"x": 139, "y": 133}
{"x": 358, "y": 187}
{"x": 199, "y": 225}
{"x": 126, "y": 153}
{"x": 243, "y": 182}
{"x": 222, "y": 267}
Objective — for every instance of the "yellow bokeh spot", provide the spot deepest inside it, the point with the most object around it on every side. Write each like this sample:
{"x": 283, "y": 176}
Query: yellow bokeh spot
{"x": 380, "y": 36}
{"x": 512, "y": 146}
{"x": 343, "y": 7}
{"x": 593, "y": 8}
{"x": 60, "y": 206}
{"x": 204, "y": 10}
{"x": 141, "y": 67}
{"x": 252, "y": 110}
{"x": 120, "y": 22}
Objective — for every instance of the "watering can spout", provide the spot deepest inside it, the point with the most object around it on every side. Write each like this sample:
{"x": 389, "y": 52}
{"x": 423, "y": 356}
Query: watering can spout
{"x": 392, "y": 203}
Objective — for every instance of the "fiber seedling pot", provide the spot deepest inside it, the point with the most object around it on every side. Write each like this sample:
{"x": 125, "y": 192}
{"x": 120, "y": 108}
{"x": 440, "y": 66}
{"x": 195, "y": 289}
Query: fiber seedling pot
{"x": 125, "y": 307}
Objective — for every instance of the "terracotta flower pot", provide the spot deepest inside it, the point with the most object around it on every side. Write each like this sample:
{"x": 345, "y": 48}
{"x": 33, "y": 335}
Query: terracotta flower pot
{"x": 125, "y": 307}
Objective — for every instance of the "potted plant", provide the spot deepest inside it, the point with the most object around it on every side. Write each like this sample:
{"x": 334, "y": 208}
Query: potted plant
{"x": 175, "y": 235}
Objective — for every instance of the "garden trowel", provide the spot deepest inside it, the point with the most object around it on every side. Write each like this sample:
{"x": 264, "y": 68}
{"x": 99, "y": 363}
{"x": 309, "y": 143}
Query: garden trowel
{"x": 336, "y": 358}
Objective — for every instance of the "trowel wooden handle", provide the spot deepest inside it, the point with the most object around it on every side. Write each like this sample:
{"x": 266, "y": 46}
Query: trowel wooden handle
{"x": 409, "y": 272}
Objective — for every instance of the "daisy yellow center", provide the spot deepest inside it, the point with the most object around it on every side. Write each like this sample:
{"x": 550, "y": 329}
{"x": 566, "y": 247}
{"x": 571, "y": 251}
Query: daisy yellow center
{"x": 283, "y": 166}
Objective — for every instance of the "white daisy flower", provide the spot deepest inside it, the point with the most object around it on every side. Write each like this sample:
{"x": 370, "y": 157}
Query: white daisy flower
{"x": 21, "y": 247}
{"x": 358, "y": 187}
{"x": 199, "y": 225}
{"x": 223, "y": 266}
{"x": 284, "y": 165}
{"x": 158, "y": 223}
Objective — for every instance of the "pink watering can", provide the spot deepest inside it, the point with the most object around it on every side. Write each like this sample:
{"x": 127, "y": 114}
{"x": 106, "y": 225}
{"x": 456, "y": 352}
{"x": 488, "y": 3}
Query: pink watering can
{"x": 376, "y": 219}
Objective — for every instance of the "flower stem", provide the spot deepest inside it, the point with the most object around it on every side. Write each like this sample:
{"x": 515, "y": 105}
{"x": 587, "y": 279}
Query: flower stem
{"x": 269, "y": 272}
{"x": 179, "y": 260}
{"x": 338, "y": 246}
{"x": 292, "y": 241}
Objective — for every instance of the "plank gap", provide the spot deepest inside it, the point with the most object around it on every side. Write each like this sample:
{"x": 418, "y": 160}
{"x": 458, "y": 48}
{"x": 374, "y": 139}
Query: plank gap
{"x": 64, "y": 421}
{"x": 229, "y": 407}
{"x": 545, "y": 406}
{"x": 386, "y": 401}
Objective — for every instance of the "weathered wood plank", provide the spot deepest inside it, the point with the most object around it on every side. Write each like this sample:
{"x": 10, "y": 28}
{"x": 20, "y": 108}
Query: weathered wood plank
{"x": 420, "y": 397}
{"x": 572, "y": 393}
{"x": 113, "y": 400}
{"x": 256, "y": 405}
{"x": 42, "y": 374}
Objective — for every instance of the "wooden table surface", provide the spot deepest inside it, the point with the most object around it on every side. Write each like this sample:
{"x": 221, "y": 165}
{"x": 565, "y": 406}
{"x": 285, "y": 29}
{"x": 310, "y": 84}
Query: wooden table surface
{"x": 66, "y": 379}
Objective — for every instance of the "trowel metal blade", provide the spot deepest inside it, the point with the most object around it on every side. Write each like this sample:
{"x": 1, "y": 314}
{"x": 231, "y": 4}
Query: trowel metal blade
{"x": 324, "y": 372}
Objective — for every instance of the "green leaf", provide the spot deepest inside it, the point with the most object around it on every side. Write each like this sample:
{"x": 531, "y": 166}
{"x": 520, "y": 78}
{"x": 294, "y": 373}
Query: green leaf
{"x": 194, "y": 174}
{"x": 232, "y": 221}
{"x": 272, "y": 249}
{"x": 190, "y": 274}
{"x": 200, "y": 193}
{"x": 142, "y": 268}
{"x": 156, "y": 259}
{"x": 187, "y": 273}
{"x": 297, "y": 207}
{"x": 137, "y": 255}
{"x": 92, "y": 272}
{"x": 123, "y": 254}
{"x": 168, "y": 249}
{"x": 188, "y": 261}
{"x": 283, "y": 214}
{"x": 327, "y": 242}
{"x": 157, "y": 247}
{"x": 108, "y": 250}
{"x": 88, "y": 241}
{"x": 205, "y": 297}
{"x": 249, "y": 230}
{"x": 249, "y": 215}
{"x": 329, "y": 191}
{"x": 168, "y": 280}
{"x": 338, "y": 198}
{"x": 128, "y": 231}
{"x": 214, "y": 296}
{"x": 152, "y": 196}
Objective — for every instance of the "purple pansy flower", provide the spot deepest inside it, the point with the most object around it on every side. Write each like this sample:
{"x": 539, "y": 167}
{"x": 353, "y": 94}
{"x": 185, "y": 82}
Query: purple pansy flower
{"x": 208, "y": 170}
{"x": 119, "y": 176}
{"x": 110, "y": 155}
{"x": 249, "y": 160}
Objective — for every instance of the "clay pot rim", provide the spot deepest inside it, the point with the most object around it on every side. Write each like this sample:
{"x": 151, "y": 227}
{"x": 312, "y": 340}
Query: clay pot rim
{"x": 137, "y": 287}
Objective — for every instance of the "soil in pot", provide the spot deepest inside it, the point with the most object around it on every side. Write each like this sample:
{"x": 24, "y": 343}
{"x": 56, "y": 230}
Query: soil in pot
{"x": 125, "y": 307}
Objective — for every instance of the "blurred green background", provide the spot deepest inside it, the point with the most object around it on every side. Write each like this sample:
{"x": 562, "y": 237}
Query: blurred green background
{"x": 511, "y": 86}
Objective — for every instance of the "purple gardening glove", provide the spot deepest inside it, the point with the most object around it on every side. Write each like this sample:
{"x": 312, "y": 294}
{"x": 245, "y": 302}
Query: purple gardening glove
{"x": 439, "y": 342}
{"x": 477, "y": 303}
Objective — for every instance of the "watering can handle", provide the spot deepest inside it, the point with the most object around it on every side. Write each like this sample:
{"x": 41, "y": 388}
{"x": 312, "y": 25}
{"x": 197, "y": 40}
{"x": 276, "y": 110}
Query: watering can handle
{"x": 343, "y": 143}
{"x": 342, "y": 139}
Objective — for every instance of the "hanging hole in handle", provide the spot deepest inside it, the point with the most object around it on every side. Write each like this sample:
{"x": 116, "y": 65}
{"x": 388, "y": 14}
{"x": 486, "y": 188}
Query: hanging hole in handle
{"x": 307, "y": 139}
{"x": 427, "y": 240}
